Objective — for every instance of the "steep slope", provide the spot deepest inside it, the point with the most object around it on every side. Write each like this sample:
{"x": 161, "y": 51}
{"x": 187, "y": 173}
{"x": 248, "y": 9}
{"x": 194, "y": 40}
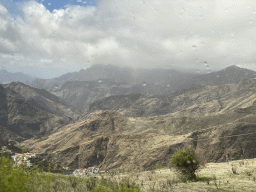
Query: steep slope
{"x": 146, "y": 143}
{"x": 173, "y": 78}
{"x": 104, "y": 81}
{"x": 44, "y": 100}
{"x": 215, "y": 120}
{"x": 24, "y": 120}
{"x": 231, "y": 74}
{"x": 202, "y": 101}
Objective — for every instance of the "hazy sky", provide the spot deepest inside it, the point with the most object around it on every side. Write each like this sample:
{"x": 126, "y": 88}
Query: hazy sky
{"x": 71, "y": 35}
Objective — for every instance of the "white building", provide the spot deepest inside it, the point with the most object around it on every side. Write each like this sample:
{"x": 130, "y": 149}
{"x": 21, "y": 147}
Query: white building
{"x": 18, "y": 157}
{"x": 88, "y": 171}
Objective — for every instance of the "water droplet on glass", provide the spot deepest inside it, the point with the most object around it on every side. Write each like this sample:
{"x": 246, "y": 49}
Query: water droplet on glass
{"x": 100, "y": 81}
{"x": 144, "y": 84}
{"x": 250, "y": 22}
{"x": 168, "y": 85}
{"x": 232, "y": 35}
{"x": 194, "y": 46}
{"x": 197, "y": 61}
{"x": 217, "y": 76}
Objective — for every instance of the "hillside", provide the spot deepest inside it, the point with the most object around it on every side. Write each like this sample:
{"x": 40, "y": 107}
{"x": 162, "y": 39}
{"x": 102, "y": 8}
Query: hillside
{"x": 87, "y": 88}
{"x": 22, "y": 120}
{"x": 211, "y": 119}
{"x": 44, "y": 100}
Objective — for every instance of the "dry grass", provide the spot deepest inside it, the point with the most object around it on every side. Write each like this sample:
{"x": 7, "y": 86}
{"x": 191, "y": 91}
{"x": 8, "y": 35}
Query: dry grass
{"x": 213, "y": 177}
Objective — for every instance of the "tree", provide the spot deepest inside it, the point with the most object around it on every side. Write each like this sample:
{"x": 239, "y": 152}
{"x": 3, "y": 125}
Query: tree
{"x": 186, "y": 162}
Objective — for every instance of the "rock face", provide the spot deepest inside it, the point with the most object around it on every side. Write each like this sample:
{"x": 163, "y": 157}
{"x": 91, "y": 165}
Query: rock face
{"x": 22, "y": 118}
{"x": 81, "y": 89}
{"x": 133, "y": 131}
{"x": 44, "y": 100}
{"x": 3, "y": 107}
{"x": 210, "y": 119}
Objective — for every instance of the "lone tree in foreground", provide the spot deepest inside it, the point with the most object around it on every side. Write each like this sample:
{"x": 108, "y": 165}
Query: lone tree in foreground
{"x": 186, "y": 162}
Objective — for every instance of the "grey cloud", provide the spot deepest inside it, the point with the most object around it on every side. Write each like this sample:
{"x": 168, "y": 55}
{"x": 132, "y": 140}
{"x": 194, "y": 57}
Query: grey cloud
{"x": 8, "y": 35}
{"x": 137, "y": 33}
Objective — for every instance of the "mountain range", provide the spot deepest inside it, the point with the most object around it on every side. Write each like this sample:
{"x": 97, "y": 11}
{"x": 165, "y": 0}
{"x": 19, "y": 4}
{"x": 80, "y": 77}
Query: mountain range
{"x": 80, "y": 89}
{"x": 107, "y": 123}
{"x": 7, "y": 77}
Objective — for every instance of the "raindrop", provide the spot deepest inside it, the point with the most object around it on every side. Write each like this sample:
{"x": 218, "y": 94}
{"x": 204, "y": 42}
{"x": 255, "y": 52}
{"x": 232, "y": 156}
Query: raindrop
{"x": 144, "y": 84}
{"x": 194, "y": 46}
{"x": 168, "y": 85}
{"x": 197, "y": 61}
{"x": 198, "y": 71}
{"x": 249, "y": 6}
{"x": 250, "y": 22}
{"x": 217, "y": 76}
{"x": 100, "y": 81}
{"x": 232, "y": 35}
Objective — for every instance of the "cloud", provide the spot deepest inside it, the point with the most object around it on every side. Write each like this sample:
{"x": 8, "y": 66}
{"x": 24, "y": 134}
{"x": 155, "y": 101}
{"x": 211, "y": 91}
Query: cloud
{"x": 8, "y": 36}
{"x": 137, "y": 33}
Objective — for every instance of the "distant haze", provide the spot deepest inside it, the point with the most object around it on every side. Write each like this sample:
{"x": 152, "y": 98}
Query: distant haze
{"x": 194, "y": 35}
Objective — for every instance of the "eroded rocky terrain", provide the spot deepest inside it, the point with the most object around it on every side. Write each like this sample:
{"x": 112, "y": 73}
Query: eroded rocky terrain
{"x": 215, "y": 120}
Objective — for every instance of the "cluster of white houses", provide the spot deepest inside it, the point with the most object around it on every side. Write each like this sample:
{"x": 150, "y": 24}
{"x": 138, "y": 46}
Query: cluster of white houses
{"x": 18, "y": 157}
{"x": 89, "y": 170}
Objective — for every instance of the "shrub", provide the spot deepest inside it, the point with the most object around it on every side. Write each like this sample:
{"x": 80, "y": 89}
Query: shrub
{"x": 21, "y": 178}
{"x": 234, "y": 170}
{"x": 186, "y": 162}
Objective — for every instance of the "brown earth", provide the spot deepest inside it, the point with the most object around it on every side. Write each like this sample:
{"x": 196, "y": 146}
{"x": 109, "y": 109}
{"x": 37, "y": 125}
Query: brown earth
{"x": 218, "y": 121}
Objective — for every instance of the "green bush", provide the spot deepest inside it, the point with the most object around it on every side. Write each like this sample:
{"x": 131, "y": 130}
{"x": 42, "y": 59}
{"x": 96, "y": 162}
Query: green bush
{"x": 186, "y": 162}
{"x": 25, "y": 179}
{"x": 21, "y": 178}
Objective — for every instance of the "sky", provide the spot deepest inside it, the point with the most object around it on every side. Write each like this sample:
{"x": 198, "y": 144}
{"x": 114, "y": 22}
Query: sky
{"x": 49, "y": 38}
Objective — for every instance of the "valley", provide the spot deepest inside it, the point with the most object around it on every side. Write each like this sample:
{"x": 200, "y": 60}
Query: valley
{"x": 135, "y": 131}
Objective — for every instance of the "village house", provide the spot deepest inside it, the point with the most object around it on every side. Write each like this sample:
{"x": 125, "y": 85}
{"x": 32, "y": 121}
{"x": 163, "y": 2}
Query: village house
{"x": 18, "y": 157}
{"x": 5, "y": 149}
{"x": 89, "y": 170}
